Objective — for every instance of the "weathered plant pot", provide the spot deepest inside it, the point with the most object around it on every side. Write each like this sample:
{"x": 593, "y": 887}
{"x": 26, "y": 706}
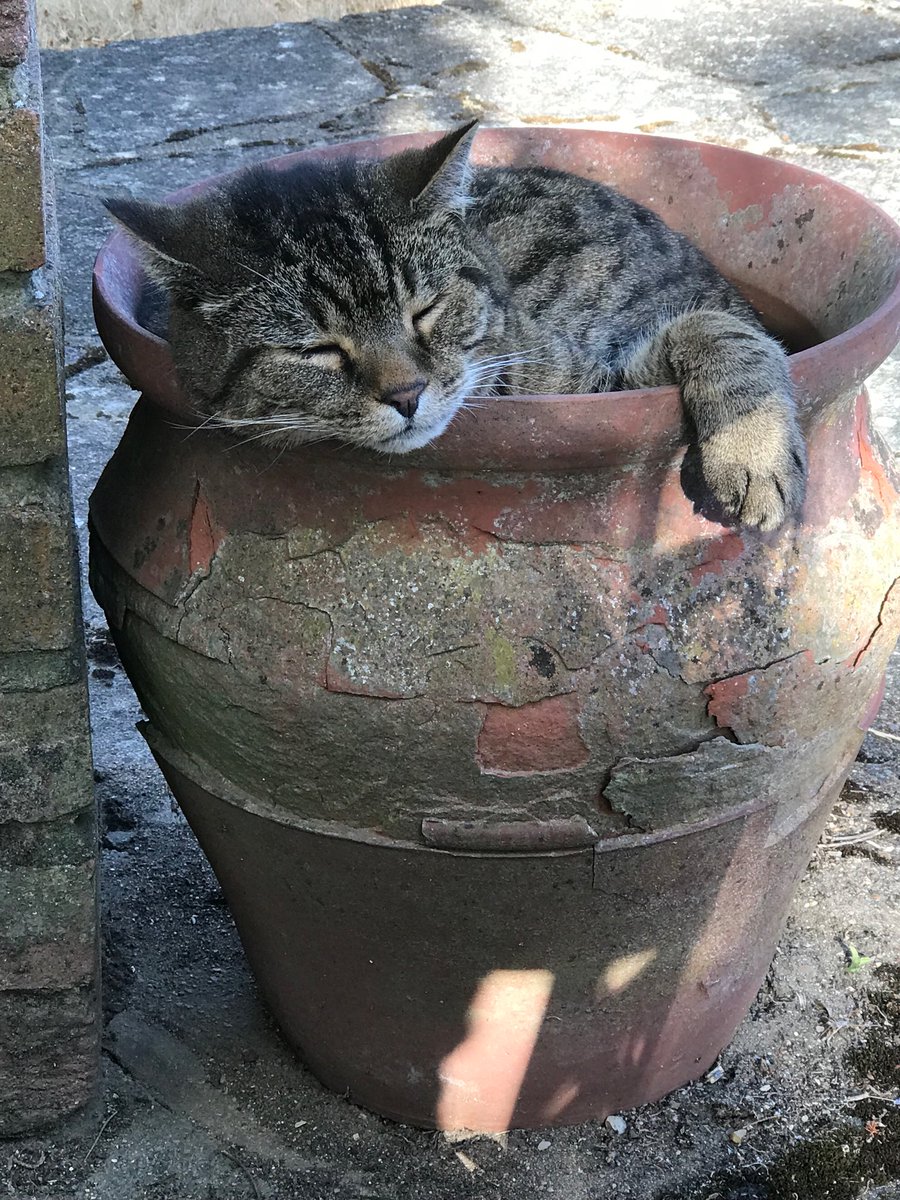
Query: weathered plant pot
{"x": 507, "y": 758}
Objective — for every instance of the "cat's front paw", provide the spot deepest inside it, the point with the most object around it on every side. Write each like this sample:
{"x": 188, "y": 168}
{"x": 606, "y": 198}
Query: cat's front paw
{"x": 755, "y": 466}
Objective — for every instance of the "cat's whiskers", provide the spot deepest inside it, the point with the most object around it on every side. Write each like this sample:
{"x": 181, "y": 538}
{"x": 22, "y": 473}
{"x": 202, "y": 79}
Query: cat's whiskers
{"x": 208, "y": 422}
{"x": 487, "y": 372}
{"x": 274, "y": 462}
{"x": 284, "y": 421}
{"x": 271, "y": 436}
{"x": 273, "y": 428}
{"x": 504, "y": 361}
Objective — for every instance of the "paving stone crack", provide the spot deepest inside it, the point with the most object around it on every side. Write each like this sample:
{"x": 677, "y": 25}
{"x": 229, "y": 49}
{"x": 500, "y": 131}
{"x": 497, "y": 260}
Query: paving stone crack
{"x": 376, "y": 70}
{"x": 91, "y": 357}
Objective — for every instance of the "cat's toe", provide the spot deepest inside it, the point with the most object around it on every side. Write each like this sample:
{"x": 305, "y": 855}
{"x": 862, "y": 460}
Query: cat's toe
{"x": 756, "y": 469}
{"x": 764, "y": 505}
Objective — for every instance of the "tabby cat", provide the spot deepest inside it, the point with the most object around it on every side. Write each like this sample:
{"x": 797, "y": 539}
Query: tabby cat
{"x": 366, "y": 301}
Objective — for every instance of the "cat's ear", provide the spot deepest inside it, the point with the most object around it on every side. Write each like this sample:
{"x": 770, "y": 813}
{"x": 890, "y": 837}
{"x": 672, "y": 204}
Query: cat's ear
{"x": 171, "y": 239}
{"x": 435, "y": 179}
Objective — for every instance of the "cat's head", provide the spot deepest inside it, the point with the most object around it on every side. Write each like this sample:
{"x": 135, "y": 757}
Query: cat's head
{"x": 344, "y": 299}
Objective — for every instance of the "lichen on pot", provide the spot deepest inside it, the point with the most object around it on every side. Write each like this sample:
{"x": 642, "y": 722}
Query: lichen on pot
{"x": 512, "y": 695}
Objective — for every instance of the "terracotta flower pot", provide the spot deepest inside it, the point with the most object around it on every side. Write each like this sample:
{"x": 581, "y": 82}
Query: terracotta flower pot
{"x": 508, "y": 760}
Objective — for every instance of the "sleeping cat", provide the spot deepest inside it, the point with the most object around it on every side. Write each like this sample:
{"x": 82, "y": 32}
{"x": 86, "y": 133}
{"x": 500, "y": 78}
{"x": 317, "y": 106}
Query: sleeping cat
{"x": 367, "y": 301}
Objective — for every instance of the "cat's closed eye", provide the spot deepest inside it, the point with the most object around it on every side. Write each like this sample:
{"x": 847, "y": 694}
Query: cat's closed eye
{"x": 424, "y": 318}
{"x": 328, "y": 355}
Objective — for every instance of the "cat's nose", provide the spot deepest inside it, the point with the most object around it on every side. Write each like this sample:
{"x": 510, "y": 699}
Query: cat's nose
{"x": 404, "y": 398}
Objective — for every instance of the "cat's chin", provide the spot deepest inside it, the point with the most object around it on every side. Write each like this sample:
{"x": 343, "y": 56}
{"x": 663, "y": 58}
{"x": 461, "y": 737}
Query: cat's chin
{"x": 413, "y": 438}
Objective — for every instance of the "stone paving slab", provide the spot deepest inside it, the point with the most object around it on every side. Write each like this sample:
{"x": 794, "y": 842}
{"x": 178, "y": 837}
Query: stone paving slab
{"x": 198, "y": 1063}
{"x": 764, "y": 42}
{"x": 861, "y": 113}
{"x": 490, "y": 67}
{"x": 132, "y": 96}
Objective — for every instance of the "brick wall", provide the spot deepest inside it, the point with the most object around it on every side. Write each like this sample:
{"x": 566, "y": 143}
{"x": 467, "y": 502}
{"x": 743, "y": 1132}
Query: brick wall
{"x": 48, "y": 911}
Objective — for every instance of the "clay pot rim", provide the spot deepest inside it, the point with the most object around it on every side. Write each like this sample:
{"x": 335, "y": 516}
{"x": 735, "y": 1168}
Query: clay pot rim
{"x": 529, "y": 430}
